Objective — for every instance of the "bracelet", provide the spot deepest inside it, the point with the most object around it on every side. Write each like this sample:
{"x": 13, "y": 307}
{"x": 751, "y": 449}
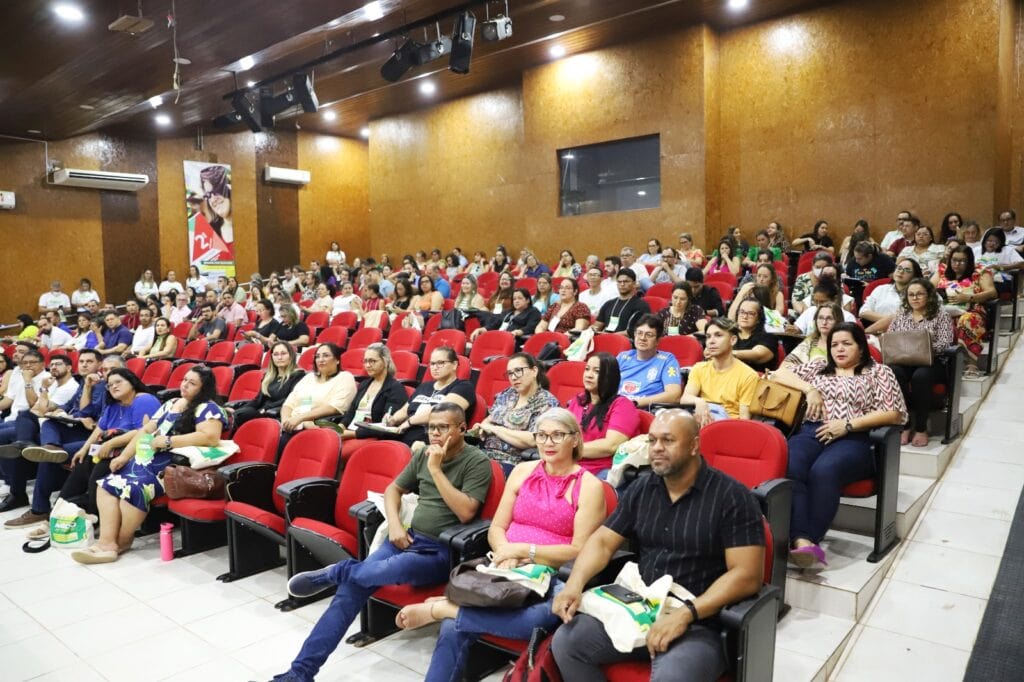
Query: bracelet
{"x": 533, "y": 554}
{"x": 693, "y": 609}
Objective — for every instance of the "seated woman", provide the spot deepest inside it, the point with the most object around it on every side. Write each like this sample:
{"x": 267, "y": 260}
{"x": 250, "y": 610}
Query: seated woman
{"x": 444, "y": 387}
{"x": 652, "y": 256}
{"x": 292, "y": 329}
{"x": 535, "y": 268}
{"x": 372, "y": 301}
{"x": 500, "y": 301}
{"x": 1000, "y": 259}
{"x": 84, "y": 336}
{"x": 570, "y": 314}
{"x": 429, "y": 299}
{"x": 135, "y": 478}
{"x": 924, "y": 250}
{"x": 266, "y": 326}
{"x": 324, "y": 301}
{"x": 402, "y": 296}
{"x": 165, "y": 344}
{"x": 886, "y": 300}
{"x": 753, "y": 345}
{"x": 547, "y": 511}
{"x": 847, "y": 395}
{"x": 724, "y": 260}
{"x": 966, "y": 288}
{"x": 479, "y": 264}
{"x": 347, "y": 301}
{"x": 816, "y": 240}
{"x": 682, "y": 316}
{"x": 545, "y": 296}
{"x": 325, "y": 392}
{"x": 606, "y": 418}
{"x": 469, "y": 298}
{"x": 507, "y": 431}
{"x": 765, "y": 275}
{"x": 922, "y": 309}
{"x": 378, "y": 396}
{"x": 567, "y": 266}
{"x": 278, "y": 382}
{"x": 688, "y": 253}
{"x": 814, "y": 347}
{"x": 520, "y": 321}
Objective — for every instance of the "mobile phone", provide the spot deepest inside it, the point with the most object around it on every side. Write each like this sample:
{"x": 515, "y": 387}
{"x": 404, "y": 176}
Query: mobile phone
{"x": 623, "y": 594}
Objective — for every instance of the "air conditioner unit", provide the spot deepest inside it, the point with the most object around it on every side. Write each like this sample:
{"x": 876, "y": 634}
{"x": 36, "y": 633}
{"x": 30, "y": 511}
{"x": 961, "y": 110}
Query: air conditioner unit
{"x": 119, "y": 182}
{"x": 291, "y": 176}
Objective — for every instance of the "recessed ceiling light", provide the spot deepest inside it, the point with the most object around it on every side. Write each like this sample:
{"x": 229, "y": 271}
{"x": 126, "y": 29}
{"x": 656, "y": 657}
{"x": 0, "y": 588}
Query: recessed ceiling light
{"x": 155, "y": 101}
{"x": 557, "y": 51}
{"x": 736, "y": 5}
{"x": 428, "y": 87}
{"x": 184, "y": 61}
{"x": 250, "y": 84}
{"x": 68, "y": 12}
{"x": 641, "y": 193}
{"x": 162, "y": 119}
{"x": 333, "y": 22}
{"x": 365, "y": 132}
{"x": 34, "y": 132}
{"x": 568, "y": 157}
{"x": 330, "y": 116}
{"x": 556, "y": 17}
{"x": 246, "y": 63}
{"x": 373, "y": 10}
{"x": 87, "y": 107}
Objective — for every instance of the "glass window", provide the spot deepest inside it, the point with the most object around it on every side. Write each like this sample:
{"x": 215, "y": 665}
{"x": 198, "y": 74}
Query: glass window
{"x": 624, "y": 175}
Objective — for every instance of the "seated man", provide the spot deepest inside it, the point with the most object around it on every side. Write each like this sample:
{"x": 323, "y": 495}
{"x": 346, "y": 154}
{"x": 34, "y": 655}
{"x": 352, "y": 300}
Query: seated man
{"x": 707, "y": 298}
{"x": 171, "y": 284}
{"x": 51, "y": 336}
{"x": 648, "y": 375}
{"x": 231, "y": 311}
{"x": 452, "y": 479}
{"x": 669, "y": 271}
{"x": 721, "y": 380}
{"x": 208, "y": 326}
{"x": 55, "y": 300}
{"x": 117, "y": 338}
{"x": 440, "y": 283}
{"x": 869, "y": 264}
{"x": 686, "y": 520}
{"x": 130, "y": 319}
{"x": 142, "y": 337}
{"x": 597, "y": 293}
{"x": 619, "y": 315}
{"x": 181, "y": 312}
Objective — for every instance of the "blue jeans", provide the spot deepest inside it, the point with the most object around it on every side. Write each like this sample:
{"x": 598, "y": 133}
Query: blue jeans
{"x": 55, "y": 433}
{"x": 459, "y": 633}
{"x": 425, "y": 562}
{"x": 819, "y": 472}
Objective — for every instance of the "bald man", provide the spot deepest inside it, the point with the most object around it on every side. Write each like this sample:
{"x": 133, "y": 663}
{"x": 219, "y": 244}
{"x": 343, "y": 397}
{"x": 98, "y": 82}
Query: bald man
{"x": 687, "y": 520}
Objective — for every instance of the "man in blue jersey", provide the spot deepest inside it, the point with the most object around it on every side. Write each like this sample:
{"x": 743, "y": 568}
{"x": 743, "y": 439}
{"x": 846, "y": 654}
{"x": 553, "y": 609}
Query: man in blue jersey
{"x": 647, "y": 374}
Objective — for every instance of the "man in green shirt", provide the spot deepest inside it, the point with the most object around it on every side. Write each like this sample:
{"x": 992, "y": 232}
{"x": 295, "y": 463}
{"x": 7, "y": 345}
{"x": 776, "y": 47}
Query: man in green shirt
{"x": 452, "y": 480}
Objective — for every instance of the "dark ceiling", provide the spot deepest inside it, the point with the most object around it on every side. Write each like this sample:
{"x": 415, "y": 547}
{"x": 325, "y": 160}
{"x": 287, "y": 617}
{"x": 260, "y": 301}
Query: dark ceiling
{"x": 66, "y": 78}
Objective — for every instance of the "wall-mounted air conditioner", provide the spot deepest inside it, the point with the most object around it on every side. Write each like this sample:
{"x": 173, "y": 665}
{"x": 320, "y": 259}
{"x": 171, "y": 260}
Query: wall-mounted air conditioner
{"x": 289, "y": 176}
{"x": 119, "y": 182}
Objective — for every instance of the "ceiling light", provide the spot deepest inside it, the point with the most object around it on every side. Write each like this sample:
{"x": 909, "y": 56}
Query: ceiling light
{"x": 373, "y": 10}
{"x": 162, "y": 119}
{"x": 68, "y": 12}
{"x": 87, "y": 107}
{"x": 155, "y": 101}
{"x": 184, "y": 61}
{"x": 246, "y": 63}
{"x": 247, "y": 110}
{"x": 568, "y": 157}
{"x": 556, "y": 17}
{"x": 557, "y": 51}
{"x": 737, "y": 5}
{"x": 365, "y": 133}
{"x": 250, "y": 84}
{"x": 330, "y": 116}
{"x": 34, "y": 132}
{"x": 428, "y": 87}
{"x": 641, "y": 193}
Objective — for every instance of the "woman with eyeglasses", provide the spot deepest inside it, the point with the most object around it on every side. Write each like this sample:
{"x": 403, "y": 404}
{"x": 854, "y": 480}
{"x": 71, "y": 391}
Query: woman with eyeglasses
{"x": 570, "y": 314}
{"x": 545, "y": 297}
{"x": 378, "y": 395}
{"x": 444, "y": 387}
{"x": 325, "y": 392}
{"x": 753, "y": 345}
{"x": 966, "y": 288}
{"x": 886, "y": 300}
{"x": 547, "y": 511}
{"x": 507, "y": 431}
{"x": 520, "y": 321}
{"x": 567, "y": 265}
{"x": 278, "y": 383}
{"x": 688, "y": 253}
{"x": 607, "y": 419}
{"x": 682, "y": 316}
{"x": 814, "y": 346}
{"x": 924, "y": 250}
{"x": 652, "y": 256}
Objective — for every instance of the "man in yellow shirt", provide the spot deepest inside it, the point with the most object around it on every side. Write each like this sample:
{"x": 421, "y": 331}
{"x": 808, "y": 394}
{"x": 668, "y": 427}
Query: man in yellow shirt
{"x": 721, "y": 381}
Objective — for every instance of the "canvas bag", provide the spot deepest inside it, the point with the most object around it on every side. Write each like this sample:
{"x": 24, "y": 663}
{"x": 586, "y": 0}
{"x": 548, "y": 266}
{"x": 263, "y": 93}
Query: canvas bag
{"x": 405, "y": 512}
{"x": 633, "y": 453}
{"x": 772, "y": 400}
{"x": 910, "y": 348}
{"x": 70, "y": 526}
{"x": 581, "y": 347}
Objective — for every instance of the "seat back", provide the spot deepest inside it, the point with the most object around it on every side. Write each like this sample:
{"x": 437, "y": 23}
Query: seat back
{"x": 256, "y": 440}
{"x": 535, "y": 343}
{"x": 453, "y": 338}
{"x": 335, "y": 335}
{"x": 223, "y": 377}
{"x": 492, "y": 380}
{"x": 136, "y": 366}
{"x": 751, "y": 452}
{"x": 157, "y": 373}
{"x": 726, "y": 277}
{"x": 404, "y": 339}
{"x": 370, "y": 468}
{"x": 487, "y": 283}
{"x": 646, "y": 419}
{"x": 311, "y": 452}
{"x": 178, "y": 373}
{"x": 656, "y": 303}
{"x": 365, "y": 337}
{"x": 528, "y": 283}
{"x": 610, "y": 343}
{"x": 195, "y": 350}
{"x": 407, "y": 365}
{"x": 490, "y": 344}
{"x": 871, "y": 286}
{"x": 687, "y": 349}
{"x": 306, "y": 360}
{"x": 494, "y": 493}
{"x": 566, "y": 380}
{"x": 346, "y": 319}
{"x": 663, "y": 290}
{"x": 222, "y": 351}
{"x": 352, "y": 362}
{"x": 724, "y": 290}
{"x": 248, "y": 354}
{"x": 318, "y": 319}
{"x": 247, "y": 386}
{"x": 479, "y": 412}
{"x": 182, "y": 329}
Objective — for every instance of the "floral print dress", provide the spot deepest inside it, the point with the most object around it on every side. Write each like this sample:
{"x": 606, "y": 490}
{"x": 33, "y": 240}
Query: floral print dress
{"x": 505, "y": 413}
{"x": 971, "y": 324}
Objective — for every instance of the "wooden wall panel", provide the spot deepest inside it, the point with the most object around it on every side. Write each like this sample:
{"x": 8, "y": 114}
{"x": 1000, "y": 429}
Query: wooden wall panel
{"x": 277, "y": 204}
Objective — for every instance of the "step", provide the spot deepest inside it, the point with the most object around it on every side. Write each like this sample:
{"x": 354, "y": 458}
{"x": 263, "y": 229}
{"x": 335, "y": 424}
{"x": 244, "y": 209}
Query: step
{"x": 929, "y": 461}
{"x": 808, "y": 645}
{"x": 976, "y": 387}
{"x": 844, "y": 588}
{"x": 857, "y": 514}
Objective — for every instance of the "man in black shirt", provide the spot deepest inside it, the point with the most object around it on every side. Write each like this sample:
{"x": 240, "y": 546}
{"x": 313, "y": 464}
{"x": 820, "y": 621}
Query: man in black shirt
{"x": 619, "y": 315}
{"x": 868, "y": 264}
{"x": 689, "y": 521}
{"x": 707, "y": 298}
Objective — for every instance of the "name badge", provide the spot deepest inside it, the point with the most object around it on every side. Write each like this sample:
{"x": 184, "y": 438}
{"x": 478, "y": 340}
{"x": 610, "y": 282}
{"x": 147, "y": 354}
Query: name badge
{"x": 673, "y": 331}
{"x": 554, "y": 322}
{"x": 497, "y": 309}
{"x": 613, "y": 322}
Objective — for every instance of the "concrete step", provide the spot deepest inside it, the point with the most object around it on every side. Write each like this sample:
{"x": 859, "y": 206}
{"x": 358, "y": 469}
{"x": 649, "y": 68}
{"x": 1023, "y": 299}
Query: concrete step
{"x": 844, "y": 588}
{"x": 808, "y": 645}
{"x": 857, "y": 514}
{"x": 929, "y": 461}
{"x": 977, "y": 387}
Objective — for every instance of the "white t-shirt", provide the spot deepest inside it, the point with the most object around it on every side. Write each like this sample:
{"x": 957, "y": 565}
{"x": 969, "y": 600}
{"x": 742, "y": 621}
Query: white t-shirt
{"x": 805, "y": 323}
{"x": 144, "y": 289}
{"x": 342, "y": 304}
{"x": 54, "y": 299}
{"x": 197, "y": 284}
{"x": 1008, "y": 256}
{"x": 167, "y": 286}
{"x": 595, "y": 301}
{"x": 142, "y": 337}
{"x": 335, "y": 257}
{"x": 16, "y": 392}
{"x": 884, "y": 300}
{"x": 1015, "y": 237}
{"x": 57, "y": 338}
{"x": 79, "y": 298}
{"x": 61, "y": 394}
{"x": 889, "y": 238}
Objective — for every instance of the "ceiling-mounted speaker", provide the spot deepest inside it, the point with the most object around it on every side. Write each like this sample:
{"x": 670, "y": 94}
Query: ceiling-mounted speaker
{"x": 401, "y": 61}
{"x": 462, "y": 42}
{"x": 302, "y": 84}
{"x": 247, "y": 107}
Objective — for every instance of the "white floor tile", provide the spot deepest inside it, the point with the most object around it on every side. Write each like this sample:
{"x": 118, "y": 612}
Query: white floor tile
{"x": 988, "y": 474}
{"x": 16, "y": 625}
{"x": 34, "y": 656}
{"x": 937, "y": 616}
{"x": 366, "y": 666}
{"x": 155, "y": 579}
{"x": 154, "y": 658}
{"x": 265, "y": 583}
{"x": 944, "y": 568}
{"x": 998, "y": 429}
{"x": 73, "y": 606}
{"x": 960, "y": 531}
{"x": 217, "y": 669}
{"x": 244, "y": 625}
{"x": 100, "y": 634}
{"x": 883, "y": 656}
{"x": 199, "y": 601}
{"x": 79, "y": 672}
{"x": 975, "y": 500}
{"x": 793, "y": 667}
{"x": 812, "y": 634}
{"x": 413, "y": 648}
{"x": 982, "y": 448}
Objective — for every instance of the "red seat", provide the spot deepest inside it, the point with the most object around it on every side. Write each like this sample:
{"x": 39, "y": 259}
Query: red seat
{"x": 247, "y": 386}
{"x": 223, "y": 376}
{"x": 402, "y": 338}
{"x": 656, "y": 303}
{"x": 566, "y": 380}
{"x": 871, "y": 286}
{"x": 490, "y": 344}
{"x": 528, "y": 283}
{"x": 479, "y": 412}
{"x": 352, "y": 362}
{"x": 136, "y": 366}
{"x": 726, "y": 277}
{"x": 487, "y": 283}
{"x": 536, "y": 342}
{"x": 306, "y": 361}
{"x": 365, "y": 337}
{"x": 157, "y": 374}
{"x": 318, "y": 319}
{"x": 687, "y": 349}
{"x": 492, "y": 380}
{"x": 335, "y": 335}
{"x": 885, "y": 442}
{"x": 196, "y": 350}
{"x": 346, "y": 319}
{"x": 452, "y": 338}
{"x": 432, "y": 324}
{"x": 724, "y": 290}
{"x": 256, "y": 515}
{"x": 610, "y": 343}
{"x": 644, "y": 426}
{"x": 249, "y": 354}
{"x": 663, "y": 290}
{"x": 221, "y": 353}
{"x": 407, "y": 366}
{"x": 381, "y": 322}
{"x": 202, "y": 521}
{"x": 181, "y": 330}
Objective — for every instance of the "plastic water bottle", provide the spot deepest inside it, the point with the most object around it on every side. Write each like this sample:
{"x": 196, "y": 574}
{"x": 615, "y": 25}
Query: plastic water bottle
{"x": 166, "y": 541}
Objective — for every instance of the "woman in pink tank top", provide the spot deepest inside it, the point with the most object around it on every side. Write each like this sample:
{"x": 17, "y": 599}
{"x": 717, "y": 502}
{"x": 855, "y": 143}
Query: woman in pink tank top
{"x": 546, "y": 513}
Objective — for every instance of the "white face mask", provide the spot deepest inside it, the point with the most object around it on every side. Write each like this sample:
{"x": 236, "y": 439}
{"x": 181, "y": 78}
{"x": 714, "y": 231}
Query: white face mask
{"x": 817, "y": 272}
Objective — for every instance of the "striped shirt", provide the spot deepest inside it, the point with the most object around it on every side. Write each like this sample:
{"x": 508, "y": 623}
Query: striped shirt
{"x": 687, "y": 538}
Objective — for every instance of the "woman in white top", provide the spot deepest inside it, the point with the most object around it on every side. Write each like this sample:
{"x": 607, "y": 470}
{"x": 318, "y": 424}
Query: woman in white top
{"x": 335, "y": 256}
{"x": 469, "y": 298}
{"x": 924, "y": 250}
{"x": 347, "y": 301}
{"x": 653, "y": 254}
{"x": 1000, "y": 259}
{"x": 325, "y": 392}
{"x": 83, "y": 294}
{"x": 886, "y": 301}
{"x": 324, "y": 301}
{"x": 196, "y": 282}
{"x": 146, "y": 286}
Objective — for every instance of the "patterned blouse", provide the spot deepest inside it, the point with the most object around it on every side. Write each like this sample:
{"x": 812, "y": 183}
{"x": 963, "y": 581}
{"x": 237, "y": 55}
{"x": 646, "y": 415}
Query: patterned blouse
{"x": 505, "y": 413}
{"x": 940, "y": 327}
{"x": 567, "y": 322}
{"x": 971, "y": 285}
{"x": 687, "y": 324}
{"x": 848, "y": 397}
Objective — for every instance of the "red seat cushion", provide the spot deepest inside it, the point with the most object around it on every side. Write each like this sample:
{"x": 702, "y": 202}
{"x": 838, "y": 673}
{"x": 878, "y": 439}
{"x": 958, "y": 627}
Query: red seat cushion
{"x": 865, "y": 488}
{"x": 198, "y": 510}
{"x": 338, "y": 535}
{"x": 256, "y": 515}
{"x": 160, "y": 501}
{"x": 403, "y": 595}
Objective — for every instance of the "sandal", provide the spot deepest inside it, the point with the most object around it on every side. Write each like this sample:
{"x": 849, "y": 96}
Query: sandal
{"x": 807, "y": 556}
{"x": 920, "y": 440}
{"x": 416, "y": 616}
{"x": 972, "y": 372}
{"x": 905, "y": 437}
{"x": 94, "y": 555}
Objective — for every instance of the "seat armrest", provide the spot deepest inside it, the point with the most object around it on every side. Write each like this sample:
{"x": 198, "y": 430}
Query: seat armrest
{"x": 295, "y": 488}
{"x": 235, "y": 404}
{"x": 231, "y": 472}
{"x": 168, "y": 393}
{"x": 253, "y": 484}
{"x": 884, "y": 435}
{"x": 739, "y": 615}
{"x": 468, "y": 540}
{"x": 605, "y": 575}
{"x": 311, "y": 497}
{"x": 369, "y": 519}
{"x": 748, "y": 632}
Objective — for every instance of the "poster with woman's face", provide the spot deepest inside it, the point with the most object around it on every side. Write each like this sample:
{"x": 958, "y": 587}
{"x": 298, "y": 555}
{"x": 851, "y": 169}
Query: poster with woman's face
{"x": 208, "y": 207}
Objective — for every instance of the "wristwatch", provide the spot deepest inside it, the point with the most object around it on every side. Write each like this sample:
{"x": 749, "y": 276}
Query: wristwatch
{"x": 849, "y": 426}
{"x": 533, "y": 554}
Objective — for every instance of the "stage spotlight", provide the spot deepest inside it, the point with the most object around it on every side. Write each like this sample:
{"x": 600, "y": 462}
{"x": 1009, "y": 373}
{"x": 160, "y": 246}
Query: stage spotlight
{"x": 247, "y": 107}
{"x": 302, "y": 84}
{"x": 435, "y": 49}
{"x": 227, "y": 120}
{"x": 498, "y": 28}
{"x": 401, "y": 61}
{"x": 462, "y": 42}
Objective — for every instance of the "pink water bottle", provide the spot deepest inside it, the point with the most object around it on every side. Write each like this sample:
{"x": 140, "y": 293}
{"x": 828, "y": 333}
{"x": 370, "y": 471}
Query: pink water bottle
{"x": 166, "y": 541}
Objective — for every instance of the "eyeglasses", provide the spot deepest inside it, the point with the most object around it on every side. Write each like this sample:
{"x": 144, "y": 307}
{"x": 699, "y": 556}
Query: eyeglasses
{"x": 645, "y": 335}
{"x": 916, "y": 294}
{"x": 901, "y": 269}
{"x": 555, "y": 437}
{"x": 439, "y": 428}
{"x": 439, "y": 363}
{"x": 747, "y": 313}
{"x": 516, "y": 372}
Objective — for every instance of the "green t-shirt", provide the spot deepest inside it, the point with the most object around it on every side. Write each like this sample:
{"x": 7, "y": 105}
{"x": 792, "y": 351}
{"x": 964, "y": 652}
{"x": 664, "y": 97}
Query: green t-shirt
{"x": 753, "y": 251}
{"x": 469, "y": 472}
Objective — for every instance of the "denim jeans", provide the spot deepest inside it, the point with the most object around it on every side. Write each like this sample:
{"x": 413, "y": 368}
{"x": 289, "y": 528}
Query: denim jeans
{"x": 425, "y": 562}
{"x": 458, "y": 634}
{"x": 54, "y": 433}
{"x": 819, "y": 472}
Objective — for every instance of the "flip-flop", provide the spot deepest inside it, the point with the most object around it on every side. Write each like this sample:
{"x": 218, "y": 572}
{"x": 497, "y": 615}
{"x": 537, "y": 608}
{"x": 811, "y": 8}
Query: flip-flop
{"x": 37, "y": 545}
{"x": 38, "y": 533}
{"x": 808, "y": 556}
{"x": 94, "y": 555}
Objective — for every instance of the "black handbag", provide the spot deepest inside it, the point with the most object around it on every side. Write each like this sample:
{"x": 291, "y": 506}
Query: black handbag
{"x": 452, "y": 319}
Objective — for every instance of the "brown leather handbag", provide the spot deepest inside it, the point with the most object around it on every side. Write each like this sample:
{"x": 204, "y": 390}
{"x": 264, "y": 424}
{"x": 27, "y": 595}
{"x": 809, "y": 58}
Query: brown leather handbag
{"x": 181, "y": 482}
{"x": 775, "y": 401}
{"x": 911, "y": 348}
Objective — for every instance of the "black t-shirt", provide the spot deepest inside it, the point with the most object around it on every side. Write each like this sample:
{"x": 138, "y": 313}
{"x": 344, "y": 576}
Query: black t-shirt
{"x": 525, "y": 321}
{"x": 824, "y": 242}
{"x": 758, "y": 338}
{"x": 285, "y": 333}
{"x": 426, "y": 394}
{"x": 880, "y": 266}
{"x": 272, "y": 327}
{"x": 624, "y": 313}
{"x": 710, "y": 300}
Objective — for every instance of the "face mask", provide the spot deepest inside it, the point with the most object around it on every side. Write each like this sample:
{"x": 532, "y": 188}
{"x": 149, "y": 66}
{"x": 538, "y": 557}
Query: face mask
{"x": 817, "y": 272}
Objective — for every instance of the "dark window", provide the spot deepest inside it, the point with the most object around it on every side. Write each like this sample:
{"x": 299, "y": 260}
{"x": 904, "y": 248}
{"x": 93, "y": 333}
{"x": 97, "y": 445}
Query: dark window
{"x": 623, "y": 175}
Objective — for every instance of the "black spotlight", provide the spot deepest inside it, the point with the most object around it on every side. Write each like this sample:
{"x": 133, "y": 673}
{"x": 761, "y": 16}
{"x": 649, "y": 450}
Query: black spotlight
{"x": 247, "y": 107}
{"x": 462, "y": 42}
{"x": 302, "y": 84}
{"x": 227, "y": 120}
{"x": 435, "y": 49}
{"x": 401, "y": 61}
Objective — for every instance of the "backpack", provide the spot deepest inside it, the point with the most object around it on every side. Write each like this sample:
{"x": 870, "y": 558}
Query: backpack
{"x": 452, "y": 319}
{"x": 550, "y": 351}
{"x": 537, "y": 662}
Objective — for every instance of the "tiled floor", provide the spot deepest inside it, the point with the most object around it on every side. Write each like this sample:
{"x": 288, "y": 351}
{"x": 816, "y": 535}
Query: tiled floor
{"x": 143, "y": 619}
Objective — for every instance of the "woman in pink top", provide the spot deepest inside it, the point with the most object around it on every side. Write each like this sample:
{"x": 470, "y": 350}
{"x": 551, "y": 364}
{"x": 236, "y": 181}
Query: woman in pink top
{"x": 608, "y": 419}
{"x": 546, "y": 513}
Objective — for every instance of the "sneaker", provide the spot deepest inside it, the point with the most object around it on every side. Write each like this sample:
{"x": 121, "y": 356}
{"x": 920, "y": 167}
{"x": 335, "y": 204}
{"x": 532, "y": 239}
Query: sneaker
{"x": 45, "y": 453}
{"x": 308, "y": 583}
{"x": 29, "y": 518}
{"x": 13, "y": 450}
{"x": 13, "y": 502}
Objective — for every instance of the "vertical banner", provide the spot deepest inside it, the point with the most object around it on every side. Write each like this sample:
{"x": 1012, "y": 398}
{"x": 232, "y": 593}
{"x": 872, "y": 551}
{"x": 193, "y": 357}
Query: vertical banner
{"x": 211, "y": 239}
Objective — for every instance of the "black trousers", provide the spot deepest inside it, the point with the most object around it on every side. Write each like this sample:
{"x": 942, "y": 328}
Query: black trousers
{"x": 80, "y": 486}
{"x": 916, "y": 384}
